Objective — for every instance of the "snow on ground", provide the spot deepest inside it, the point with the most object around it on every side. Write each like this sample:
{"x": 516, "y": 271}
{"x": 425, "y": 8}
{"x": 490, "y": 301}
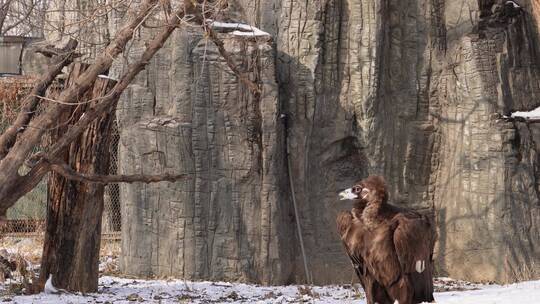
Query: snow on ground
{"x": 113, "y": 289}
{"x": 119, "y": 290}
{"x": 519, "y": 293}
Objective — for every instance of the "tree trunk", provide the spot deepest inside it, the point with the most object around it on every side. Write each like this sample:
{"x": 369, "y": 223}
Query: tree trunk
{"x": 74, "y": 211}
{"x": 12, "y": 185}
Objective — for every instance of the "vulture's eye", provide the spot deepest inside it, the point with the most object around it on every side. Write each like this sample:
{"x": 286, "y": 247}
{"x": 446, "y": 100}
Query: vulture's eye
{"x": 356, "y": 189}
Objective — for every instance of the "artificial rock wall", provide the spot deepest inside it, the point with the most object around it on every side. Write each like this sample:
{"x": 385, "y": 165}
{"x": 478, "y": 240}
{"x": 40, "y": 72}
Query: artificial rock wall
{"x": 414, "y": 90}
{"x": 228, "y": 219}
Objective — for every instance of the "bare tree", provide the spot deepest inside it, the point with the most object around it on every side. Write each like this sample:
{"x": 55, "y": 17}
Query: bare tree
{"x": 21, "y": 17}
{"x": 25, "y": 134}
{"x": 79, "y": 118}
{"x": 29, "y": 137}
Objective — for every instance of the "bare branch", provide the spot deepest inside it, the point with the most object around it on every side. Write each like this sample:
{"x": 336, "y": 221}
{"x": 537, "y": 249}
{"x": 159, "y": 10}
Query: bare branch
{"x": 51, "y": 51}
{"x": 4, "y": 8}
{"x": 110, "y": 100}
{"x": 16, "y": 186}
{"x": 10, "y": 164}
{"x": 20, "y": 20}
{"x": 30, "y": 102}
{"x": 13, "y": 186}
{"x": 253, "y": 87}
{"x": 67, "y": 172}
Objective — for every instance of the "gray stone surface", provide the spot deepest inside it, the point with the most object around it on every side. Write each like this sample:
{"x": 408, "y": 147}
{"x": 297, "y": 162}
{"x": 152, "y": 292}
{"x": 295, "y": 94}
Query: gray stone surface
{"x": 413, "y": 90}
{"x": 229, "y": 220}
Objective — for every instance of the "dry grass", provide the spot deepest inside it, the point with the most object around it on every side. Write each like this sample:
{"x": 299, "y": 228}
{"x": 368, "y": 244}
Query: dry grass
{"x": 525, "y": 272}
{"x": 12, "y": 90}
{"x": 108, "y": 257}
{"x": 30, "y": 247}
{"x": 27, "y": 247}
{"x": 25, "y": 253}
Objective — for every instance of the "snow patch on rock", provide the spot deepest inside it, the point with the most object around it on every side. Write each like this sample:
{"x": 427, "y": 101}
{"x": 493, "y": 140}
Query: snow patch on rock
{"x": 533, "y": 114}
{"x": 240, "y": 29}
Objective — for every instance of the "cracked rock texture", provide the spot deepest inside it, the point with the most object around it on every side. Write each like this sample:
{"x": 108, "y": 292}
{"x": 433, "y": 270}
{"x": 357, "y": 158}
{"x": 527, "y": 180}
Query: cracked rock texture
{"x": 230, "y": 219}
{"x": 414, "y": 90}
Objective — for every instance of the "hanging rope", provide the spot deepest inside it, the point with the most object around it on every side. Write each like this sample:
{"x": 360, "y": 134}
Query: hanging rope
{"x": 293, "y": 196}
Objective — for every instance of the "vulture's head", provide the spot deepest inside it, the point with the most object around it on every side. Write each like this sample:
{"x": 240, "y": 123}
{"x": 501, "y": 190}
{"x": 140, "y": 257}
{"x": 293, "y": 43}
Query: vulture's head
{"x": 370, "y": 189}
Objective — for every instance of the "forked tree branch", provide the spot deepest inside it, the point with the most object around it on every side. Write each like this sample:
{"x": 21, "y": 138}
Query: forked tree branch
{"x": 51, "y": 51}
{"x": 20, "y": 185}
{"x": 11, "y": 188}
{"x": 109, "y": 101}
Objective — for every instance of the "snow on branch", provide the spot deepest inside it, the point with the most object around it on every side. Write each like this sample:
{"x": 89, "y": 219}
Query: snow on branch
{"x": 513, "y": 3}
{"x": 533, "y": 114}
{"x": 244, "y": 78}
{"x": 240, "y": 29}
{"x": 107, "y": 77}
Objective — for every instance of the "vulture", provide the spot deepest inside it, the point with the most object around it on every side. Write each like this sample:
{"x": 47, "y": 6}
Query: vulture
{"x": 391, "y": 248}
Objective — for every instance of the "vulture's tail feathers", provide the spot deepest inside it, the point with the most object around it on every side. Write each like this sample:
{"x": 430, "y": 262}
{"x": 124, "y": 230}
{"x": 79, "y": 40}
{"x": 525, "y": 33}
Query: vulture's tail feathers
{"x": 423, "y": 285}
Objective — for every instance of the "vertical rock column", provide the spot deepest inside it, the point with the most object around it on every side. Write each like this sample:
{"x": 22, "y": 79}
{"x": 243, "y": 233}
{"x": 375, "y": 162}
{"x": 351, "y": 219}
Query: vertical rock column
{"x": 227, "y": 221}
{"x": 486, "y": 180}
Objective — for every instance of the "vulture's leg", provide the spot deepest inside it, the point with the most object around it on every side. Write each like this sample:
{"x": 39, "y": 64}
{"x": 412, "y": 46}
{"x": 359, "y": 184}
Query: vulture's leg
{"x": 401, "y": 291}
{"x": 375, "y": 293}
{"x": 380, "y": 295}
{"x": 365, "y": 281}
{"x": 367, "y": 284}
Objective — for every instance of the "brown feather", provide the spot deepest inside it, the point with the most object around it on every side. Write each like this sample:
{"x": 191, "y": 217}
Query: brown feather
{"x": 351, "y": 231}
{"x": 388, "y": 242}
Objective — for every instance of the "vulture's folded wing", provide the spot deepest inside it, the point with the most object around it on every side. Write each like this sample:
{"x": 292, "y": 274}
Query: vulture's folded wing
{"x": 381, "y": 257}
{"x": 351, "y": 241}
{"x": 413, "y": 239}
{"x": 357, "y": 262}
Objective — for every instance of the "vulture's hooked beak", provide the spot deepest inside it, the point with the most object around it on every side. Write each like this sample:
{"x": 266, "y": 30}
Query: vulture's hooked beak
{"x": 347, "y": 194}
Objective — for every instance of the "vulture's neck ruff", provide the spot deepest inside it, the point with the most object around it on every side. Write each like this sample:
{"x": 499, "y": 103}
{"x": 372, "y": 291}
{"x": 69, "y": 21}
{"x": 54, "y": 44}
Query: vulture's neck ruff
{"x": 370, "y": 215}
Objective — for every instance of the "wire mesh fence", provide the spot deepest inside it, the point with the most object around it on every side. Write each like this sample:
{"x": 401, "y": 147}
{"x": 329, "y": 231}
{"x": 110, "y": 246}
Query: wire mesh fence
{"x": 112, "y": 216}
{"x": 27, "y": 217}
